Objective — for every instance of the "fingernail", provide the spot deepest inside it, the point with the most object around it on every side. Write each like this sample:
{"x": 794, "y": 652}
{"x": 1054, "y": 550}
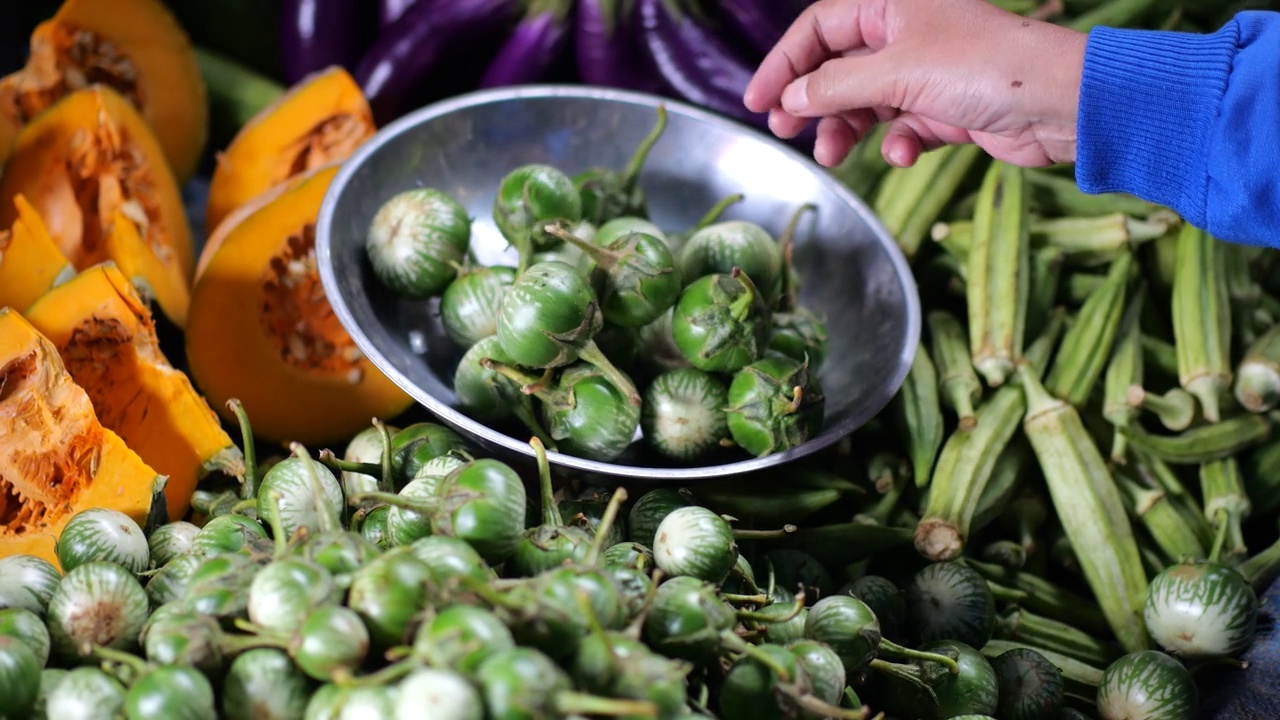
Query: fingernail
{"x": 795, "y": 98}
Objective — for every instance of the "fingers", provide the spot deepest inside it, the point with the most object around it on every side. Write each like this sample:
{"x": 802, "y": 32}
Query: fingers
{"x": 843, "y": 84}
{"x": 910, "y": 135}
{"x": 824, "y": 29}
{"x": 836, "y": 138}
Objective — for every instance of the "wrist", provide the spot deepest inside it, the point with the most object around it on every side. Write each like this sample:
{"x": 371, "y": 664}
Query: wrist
{"x": 1056, "y": 61}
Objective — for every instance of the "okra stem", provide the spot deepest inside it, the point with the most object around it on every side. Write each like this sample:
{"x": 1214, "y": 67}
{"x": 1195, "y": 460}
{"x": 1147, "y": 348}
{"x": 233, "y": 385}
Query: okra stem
{"x": 1257, "y": 385}
{"x": 1167, "y": 527}
{"x": 956, "y": 377}
{"x": 1176, "y": 408}
{"x": 1263, "y": 568}
{"x": 1020, "y": 625}
{"x": 954, "y": 237}
{"x": 1225, "y": 505}
{"x": 1124, "y": 369}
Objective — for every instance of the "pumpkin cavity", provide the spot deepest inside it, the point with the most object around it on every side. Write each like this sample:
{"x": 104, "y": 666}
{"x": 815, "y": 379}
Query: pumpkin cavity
{"x": 65, "y": 59}
{"x": 297, "y": 317}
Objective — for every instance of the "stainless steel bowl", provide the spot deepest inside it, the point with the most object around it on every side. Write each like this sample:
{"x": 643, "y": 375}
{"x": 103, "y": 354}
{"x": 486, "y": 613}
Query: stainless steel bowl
{"x": 853, "y": 273}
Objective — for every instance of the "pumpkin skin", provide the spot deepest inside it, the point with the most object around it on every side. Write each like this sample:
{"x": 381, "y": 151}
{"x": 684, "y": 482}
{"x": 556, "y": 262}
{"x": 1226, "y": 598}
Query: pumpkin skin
{"x": 30, "y": 263}
{"x": 137, "y": 48}
{"x": 126, "y": 174}
{"x": 323, "y": 118}
{"x": 106, "y": 338}
{"x": 258, "y": 284}
{"x": 56, "y": 459}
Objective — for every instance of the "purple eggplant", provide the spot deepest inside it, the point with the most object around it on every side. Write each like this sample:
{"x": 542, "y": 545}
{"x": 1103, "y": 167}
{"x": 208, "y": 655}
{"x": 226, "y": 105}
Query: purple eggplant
{"x": 533, "y": 49}
{"x": 761, "y": 23}
{"x": 390, "y": 10}
{"x": 395, "y": 70}
{"x": 698, "y": 65}
{"x": 607, "y": 53}
{"x": 315, "y": 34}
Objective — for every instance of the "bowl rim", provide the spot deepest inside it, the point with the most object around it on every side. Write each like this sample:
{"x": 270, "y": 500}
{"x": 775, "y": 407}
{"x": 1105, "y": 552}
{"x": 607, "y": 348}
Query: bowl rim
{"x": 457, "y": 420}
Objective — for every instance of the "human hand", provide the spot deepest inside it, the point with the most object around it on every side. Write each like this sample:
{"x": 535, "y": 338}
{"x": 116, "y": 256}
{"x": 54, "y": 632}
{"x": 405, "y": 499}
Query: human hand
{"x": 939, "y": 71}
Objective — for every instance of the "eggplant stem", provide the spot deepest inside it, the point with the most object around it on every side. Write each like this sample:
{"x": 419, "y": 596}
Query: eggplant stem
{"x": 387, "y": 483}
{"x": 246, "y": 504}
{"x": 419, "y": 505}
{"x": 384, "y": 676}
{"x": 819, "y": 708}
{"x": 717, "y": 210}
{"x": 892, "y": 648}
{"x": 797, "y": 607}
{"x": 591, "y": 353}
{"x": 277, "y": 525}
{"x": 782, "y": 532}
{"x": 550, "y": 509}
{"x": 745, "y": 579}
{"x": 134, "y": 663}
{"x": 607, "y": 519}
{"x": 572, "y": 702}
{"x": 737, "y": 644}
{"x": 336, "y": 464}
{"x": 1220, "y": 534}
{"x": 631, "y": 173}
{"x": 326, "y": 518}
{"x": 523, "y": 411}
{"x": 488, "y": 594}
{"x": 604, "y": 257}
{"x": 760, "y": 599}
{"x": 636, "y": 626}
{"x": 797, "y": 398}
{"x": 249, "y": 483}
{"x": 787, "y": 298}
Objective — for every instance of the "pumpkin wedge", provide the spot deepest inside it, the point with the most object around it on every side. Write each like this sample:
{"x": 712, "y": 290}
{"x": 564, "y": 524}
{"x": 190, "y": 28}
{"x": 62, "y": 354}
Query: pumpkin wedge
{"x": 324, "y": 117}
{"x": 83, "y": 163}
{"x": 30, "y": 263}
{"x": 137, "y": 48}
{"x": 106, "y": 337}
{"x": 262, "y": 330}
{"x": 56, "y": 459}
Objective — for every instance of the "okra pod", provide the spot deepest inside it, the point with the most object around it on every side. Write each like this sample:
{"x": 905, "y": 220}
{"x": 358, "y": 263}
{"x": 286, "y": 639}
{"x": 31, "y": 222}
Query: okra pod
{"x": 863, "y": 168}
{"x": 954, "y": 237}
{"x": 762, "y": 498}
{"x": 1045, "y": 598}
{"x": 968, "y": 459}
{"x": 920, "y": 412}
{"x": 1262, "y": 569}
{"x": 1002, "y": 487}
{"x": 1081, "y": 286}
{"x": 1092, "y": 241}
{"x": 890, "y": 475}
{"x": 1005, "y": 553}
{"x": 1160, "y": 517}
{"x": 1225, "y": 506}
{"x": 1059, "y": 196}
{"x": 1090, "y": 509}
{"x": 1124, "y": 369}
{"x": 848, "y": 543}
{"x": 1156, "y": 473}
{"x": 1263, "y": 479}
{"x": 1205, "y": 443}
{"x": 1160, "y": 355}
{"x": 1258, "y": 376}
{"x": 1087, "y": 344}
{"x": 1112, "y": 13}
{"x": 1042, "y": 295}
{"x": 1175, "y": 408}
{"x": 1245, "y": 294}
{"x": 1202, "y": 319}
{"x": 999, "y": 273}
{"x": 1163, "y": 259}
{"x": 956, "y": 377}
{"x": 1042, "y": 632}
{"x": 909, "y": 200}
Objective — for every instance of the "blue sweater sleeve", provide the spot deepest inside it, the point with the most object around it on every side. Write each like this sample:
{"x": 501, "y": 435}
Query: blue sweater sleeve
{"x": 1188, "y": 121}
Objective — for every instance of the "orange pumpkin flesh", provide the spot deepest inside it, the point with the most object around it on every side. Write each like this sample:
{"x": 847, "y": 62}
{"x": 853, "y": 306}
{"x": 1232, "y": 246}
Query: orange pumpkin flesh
{"x": 88, "y": 158}
{"x": 324, "y": 117}
{"x": 262, "y": 331}
{"x": 55, "y": 457}
{"x": 30, "y": 263}
{"x": 106, "y": 337}
{"x": 137, "y": 48}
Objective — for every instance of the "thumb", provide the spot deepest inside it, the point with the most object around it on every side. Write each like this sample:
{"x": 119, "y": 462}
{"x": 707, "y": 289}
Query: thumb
{"x": 847, "y": 83}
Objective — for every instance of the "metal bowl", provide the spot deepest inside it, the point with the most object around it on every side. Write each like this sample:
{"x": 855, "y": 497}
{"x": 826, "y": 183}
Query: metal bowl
{"x": 853, "y": 274}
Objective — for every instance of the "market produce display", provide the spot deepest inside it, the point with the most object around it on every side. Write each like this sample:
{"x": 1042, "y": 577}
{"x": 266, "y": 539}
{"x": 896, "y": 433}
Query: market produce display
{"x": 1068, "y": 511}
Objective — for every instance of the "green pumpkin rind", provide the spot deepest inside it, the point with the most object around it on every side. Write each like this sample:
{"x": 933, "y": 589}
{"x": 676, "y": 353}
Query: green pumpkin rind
{"x": 99, "y": 603}
{"x": 284, "y": 591}
{"x": 387, "y": 593}
{"x": 469, "y": 306}
{"x": 85, "y": 693}
{"x": 683, "y": 413}
{"x": 717, "y": 324}
{"x": 264, "y": 683}
{"x": 951, "y": 601}
{"x": 1031, "y": 687}
{"x": 1201, "y": 610}
{"x": 695, "y": 541}
{"x": 27, "y": 581}
{"x": 765, "y": 415}
{"x": 720, "y": 247}
{"x": 171, "y": 540}
{"x": 1148, "y": 684}
{"x": 416, "y": 241}
{"x": 105, "y": 535}
{"x": 171, "y": 692}
{"x": 27, "y": 627}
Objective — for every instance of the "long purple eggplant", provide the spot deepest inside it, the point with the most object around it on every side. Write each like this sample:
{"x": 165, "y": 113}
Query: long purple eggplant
{"x": 761, "y": 23}
{"x": 699, "y": 66}
{"x": 607, "y": 52}
{"x": 531, "y": 52}
{"x": 390, "y": 10}
{"x": 398, "y": 65}
{"x": 315, "y": 34}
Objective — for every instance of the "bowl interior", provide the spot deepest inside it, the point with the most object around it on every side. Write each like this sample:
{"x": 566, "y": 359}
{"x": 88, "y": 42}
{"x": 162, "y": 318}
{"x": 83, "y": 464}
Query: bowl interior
{"x": 853, "y": 275}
